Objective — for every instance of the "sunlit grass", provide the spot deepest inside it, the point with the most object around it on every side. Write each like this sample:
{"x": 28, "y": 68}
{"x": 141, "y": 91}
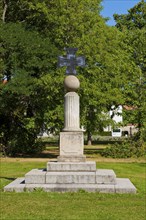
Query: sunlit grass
{"x": 73, "y": 206}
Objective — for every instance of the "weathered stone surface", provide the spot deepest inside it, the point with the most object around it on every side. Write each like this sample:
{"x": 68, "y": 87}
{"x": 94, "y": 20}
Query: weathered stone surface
{"x": 35, "y": 176}
{"x": 104, "y": 176}
{"x": 70, "y": 187}
{"x": 17, "y": 185}
{"x": 71, "y": 166}
{"x": 124, "y": 185}
{"x": 71, "y": 147}
{"x": 71, "y": 83}
{"x": 70, "y": 177}
{"x": 71, "y": 112}
{"x": 71, "y": 158}
{"x": 105, "y": 188}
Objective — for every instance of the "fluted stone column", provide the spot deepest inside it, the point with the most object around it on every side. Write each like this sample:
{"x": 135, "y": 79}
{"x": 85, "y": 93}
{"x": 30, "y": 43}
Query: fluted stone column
{"x": 71, "y": 112}
{"x": 71, "y": 139}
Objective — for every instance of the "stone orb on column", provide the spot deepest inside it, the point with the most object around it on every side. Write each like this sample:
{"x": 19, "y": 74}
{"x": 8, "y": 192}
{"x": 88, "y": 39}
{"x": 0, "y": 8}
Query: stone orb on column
{"x": 71, "y": 83}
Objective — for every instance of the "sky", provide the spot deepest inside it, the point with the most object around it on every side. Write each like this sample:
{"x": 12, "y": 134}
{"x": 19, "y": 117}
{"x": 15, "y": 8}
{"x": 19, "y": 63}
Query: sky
{"x": 116, "y": 6}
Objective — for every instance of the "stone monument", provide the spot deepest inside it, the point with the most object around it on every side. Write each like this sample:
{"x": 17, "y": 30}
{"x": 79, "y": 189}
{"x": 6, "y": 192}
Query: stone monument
{"x": 71, "y": 138}
{"x": 71, "y": 171}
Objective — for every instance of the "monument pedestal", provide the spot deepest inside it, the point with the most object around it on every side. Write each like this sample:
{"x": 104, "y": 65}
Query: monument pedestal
{"x": 71, "y": 147}
{"x": 71, "y": 172}
{"x": 71, "y": 177}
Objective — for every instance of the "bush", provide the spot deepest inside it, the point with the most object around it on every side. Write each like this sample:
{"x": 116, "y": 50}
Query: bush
{"x": 22, "y": 145}
{"x": 104, "y": 133}
{"x": 125, "y": 149}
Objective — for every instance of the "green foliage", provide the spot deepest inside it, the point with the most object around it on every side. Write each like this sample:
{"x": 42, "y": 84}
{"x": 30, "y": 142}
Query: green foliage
{"x": 101, "y": 80}
{"x": 135, "y": 19}
{"x": 28, "y": 61}
{"x": 33, "y": 34}
{"x": 125, "y": 149}
{"x": 23, "y": 145}
{"x": 104, "y": 133}
{"x": 133, "y": 25}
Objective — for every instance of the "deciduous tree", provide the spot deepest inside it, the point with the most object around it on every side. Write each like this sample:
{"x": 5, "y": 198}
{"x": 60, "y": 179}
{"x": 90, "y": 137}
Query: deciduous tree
{"x": 27, "y": 64}
{"x": 133, "y": 25}
{"x": 65, "y": 23}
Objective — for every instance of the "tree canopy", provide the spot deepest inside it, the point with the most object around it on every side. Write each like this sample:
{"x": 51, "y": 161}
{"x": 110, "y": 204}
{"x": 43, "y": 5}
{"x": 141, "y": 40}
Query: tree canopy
{"x": 134, "y": 19}
{"x": 27, "y": 59}
{"x": 33, "y": 34}
{"x": 133, "y": 25}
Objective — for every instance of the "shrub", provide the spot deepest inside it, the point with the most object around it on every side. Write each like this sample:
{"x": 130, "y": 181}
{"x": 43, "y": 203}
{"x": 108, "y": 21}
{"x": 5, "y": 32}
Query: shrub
{"x": 125, "y": 149}
{"x": 22, "y": 145}
{"x": 104, "y": 133}
{"x": 25, "y": 147}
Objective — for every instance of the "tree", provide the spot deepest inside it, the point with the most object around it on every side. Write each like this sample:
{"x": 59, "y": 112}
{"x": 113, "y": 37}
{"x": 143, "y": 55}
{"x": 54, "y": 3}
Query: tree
{"x": 27, "y": 63}
{"x": 135, "y": 19}
{"x": 71, "y": 24}
{"x": 101, "y": 80}
{"x": 133, "y": 25}
{"x": 12, "y": 10}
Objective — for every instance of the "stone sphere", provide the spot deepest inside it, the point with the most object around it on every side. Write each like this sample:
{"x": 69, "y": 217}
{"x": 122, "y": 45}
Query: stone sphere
{"x": 71, "y": 83}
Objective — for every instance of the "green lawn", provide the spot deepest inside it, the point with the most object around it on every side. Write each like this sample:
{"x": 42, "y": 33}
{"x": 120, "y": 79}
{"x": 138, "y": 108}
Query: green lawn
{"x": 73, "y": 206}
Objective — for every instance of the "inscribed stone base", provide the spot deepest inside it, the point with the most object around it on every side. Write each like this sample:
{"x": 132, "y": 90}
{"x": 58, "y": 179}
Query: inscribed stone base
{"x": 71, "y": 147}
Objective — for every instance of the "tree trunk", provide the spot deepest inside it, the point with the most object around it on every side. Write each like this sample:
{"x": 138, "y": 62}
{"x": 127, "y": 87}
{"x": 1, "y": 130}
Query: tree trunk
{"x": 4, "y": 10}
{"x": 89, "y": 138}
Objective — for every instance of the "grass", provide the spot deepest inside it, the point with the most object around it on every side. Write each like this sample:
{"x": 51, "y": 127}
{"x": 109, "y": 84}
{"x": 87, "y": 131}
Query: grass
{"x": 39, "y": 205}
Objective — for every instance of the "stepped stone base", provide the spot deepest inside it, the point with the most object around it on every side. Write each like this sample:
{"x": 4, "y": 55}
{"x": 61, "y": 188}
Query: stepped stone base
{"x": 71, "y": 177}
{"x": 78, "y": 166}
{"x": 122, "y": 186}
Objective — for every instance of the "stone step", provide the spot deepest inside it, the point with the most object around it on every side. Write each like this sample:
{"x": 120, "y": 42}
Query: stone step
{"x": 71, "y": 158}
{"x": 71, "y": 166}
{"x": 104, "y": 176}
{"x": 36, "y": 176}
{"x": 41, "y": 176}
{"x": 70, "y": 177}
{"x": 122, "y": 186}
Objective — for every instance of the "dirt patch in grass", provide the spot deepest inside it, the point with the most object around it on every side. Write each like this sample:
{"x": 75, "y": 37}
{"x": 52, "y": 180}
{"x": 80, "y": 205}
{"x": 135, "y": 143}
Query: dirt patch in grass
{"x": 101, "y": 159}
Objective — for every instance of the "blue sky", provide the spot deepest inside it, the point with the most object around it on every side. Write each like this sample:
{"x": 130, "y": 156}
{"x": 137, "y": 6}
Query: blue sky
{"x": 116, "y": 6}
